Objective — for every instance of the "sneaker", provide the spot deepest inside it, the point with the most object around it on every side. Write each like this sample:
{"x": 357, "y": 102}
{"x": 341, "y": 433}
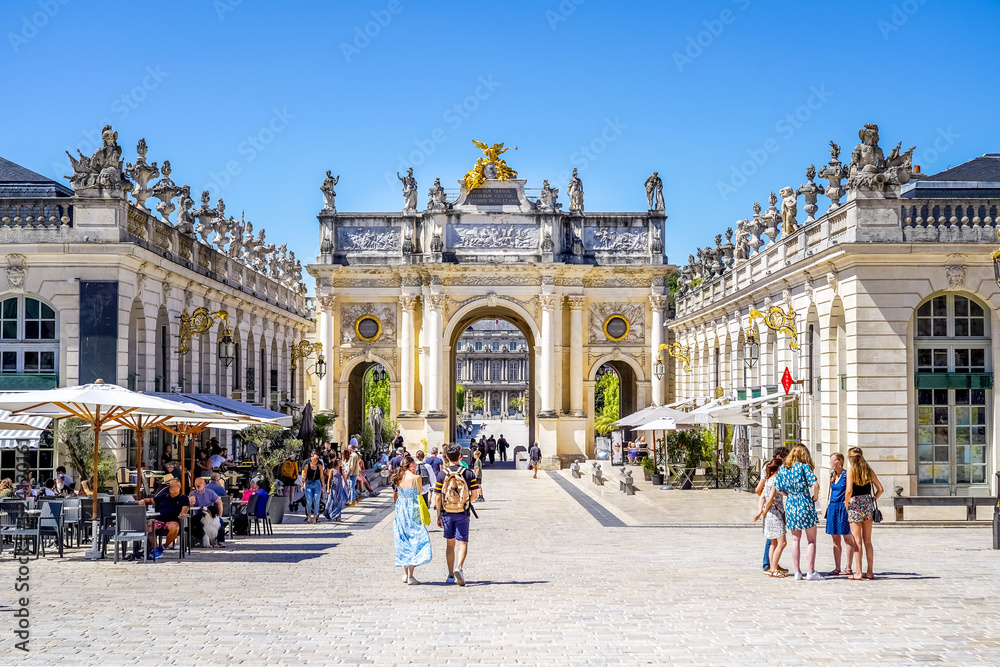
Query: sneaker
{"x": 798, "y": 576}
{"x": 406, "y": 577}
{"x": 157, "y": 552}
{"x": 815, "y": 576}
{"x": 450, "y": 579}
{"x": 412, "y": 582}
{"x": 459, "y": 577}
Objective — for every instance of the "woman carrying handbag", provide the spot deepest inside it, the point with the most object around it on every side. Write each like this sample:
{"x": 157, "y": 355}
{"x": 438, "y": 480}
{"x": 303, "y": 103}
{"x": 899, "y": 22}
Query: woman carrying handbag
{"x": 861, "y": 496}
{"x": 413, "y": 543}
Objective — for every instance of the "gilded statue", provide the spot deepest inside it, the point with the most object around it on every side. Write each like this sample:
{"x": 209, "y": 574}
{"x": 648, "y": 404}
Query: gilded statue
{"x": 485, "y": 167}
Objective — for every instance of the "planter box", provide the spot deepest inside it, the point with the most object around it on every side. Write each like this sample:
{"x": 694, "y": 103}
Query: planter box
{"x": 647, "y": 475}
{"x": 657, "y": 480}
{"x": 276, "y": 509}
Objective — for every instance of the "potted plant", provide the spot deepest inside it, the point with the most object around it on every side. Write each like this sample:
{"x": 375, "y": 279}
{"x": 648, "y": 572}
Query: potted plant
{"x": 657, "y": 475}
{"x": 648, "y": 468}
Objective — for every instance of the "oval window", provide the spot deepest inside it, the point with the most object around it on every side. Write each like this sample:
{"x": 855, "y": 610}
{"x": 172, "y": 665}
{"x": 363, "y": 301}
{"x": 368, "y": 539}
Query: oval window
{"x": 368, "y": 328}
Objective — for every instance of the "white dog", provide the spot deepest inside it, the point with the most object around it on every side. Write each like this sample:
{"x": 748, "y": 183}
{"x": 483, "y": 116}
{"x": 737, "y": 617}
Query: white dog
{"x": 211, "y": 524}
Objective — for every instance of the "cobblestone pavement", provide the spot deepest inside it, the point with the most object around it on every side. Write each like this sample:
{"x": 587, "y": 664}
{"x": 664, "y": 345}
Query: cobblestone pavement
{"x": 548, "y": 584}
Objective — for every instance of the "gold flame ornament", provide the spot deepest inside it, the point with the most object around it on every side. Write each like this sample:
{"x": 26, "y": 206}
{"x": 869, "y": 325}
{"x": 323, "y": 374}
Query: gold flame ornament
{"x": 477, "y": 176}
{"x": 778, "y": 320}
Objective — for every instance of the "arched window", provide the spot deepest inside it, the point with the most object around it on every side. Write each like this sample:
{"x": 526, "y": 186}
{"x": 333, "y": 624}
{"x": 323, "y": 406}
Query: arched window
{"x": 954, "y": 380}
{"x": 29, "y": 344}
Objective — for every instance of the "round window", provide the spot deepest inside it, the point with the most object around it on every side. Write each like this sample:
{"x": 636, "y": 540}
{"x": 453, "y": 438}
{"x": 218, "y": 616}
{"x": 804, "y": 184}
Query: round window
{"x": 368, "y": 327}
{"x": 616, "y": 327}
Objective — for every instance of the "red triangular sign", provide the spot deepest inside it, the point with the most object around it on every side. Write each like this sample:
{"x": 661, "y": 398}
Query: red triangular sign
{"x": 786, "y": 380}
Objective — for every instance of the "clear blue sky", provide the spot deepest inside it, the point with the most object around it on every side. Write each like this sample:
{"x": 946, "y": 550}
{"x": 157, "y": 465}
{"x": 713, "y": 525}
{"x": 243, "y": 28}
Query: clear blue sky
{"x": 693, "y": 90}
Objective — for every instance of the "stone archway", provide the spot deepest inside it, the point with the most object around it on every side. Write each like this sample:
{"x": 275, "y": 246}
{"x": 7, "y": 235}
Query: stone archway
{"x": 352, "y": 377}
{"x": 490, "y": 308}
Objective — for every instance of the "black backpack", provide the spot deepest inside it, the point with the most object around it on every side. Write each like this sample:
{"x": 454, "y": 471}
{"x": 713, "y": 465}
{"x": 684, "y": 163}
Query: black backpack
{"x": 425, "y": 475}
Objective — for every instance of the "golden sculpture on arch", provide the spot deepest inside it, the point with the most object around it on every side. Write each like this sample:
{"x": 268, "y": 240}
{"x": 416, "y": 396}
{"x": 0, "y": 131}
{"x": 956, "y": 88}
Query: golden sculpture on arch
{"x": 485, "y": 166}
{"x": 778, "y": 320}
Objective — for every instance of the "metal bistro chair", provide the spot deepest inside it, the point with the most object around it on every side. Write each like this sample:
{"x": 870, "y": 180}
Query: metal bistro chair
{"x": 268, "y": 528}
{"x": 51, "y": 523}
{"x": 14, "y": 525}
{"x": 227, "y": 515}
{"x": 72, "y": 514}
{"x": 131, "y": 527}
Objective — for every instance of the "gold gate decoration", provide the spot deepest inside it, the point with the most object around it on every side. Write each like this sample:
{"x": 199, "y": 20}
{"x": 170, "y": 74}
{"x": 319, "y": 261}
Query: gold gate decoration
{"x": 198, "y": 323}
{"x": 303, "y": 350}
{"x": 679, "y": 352}
{"x": 778, "y": 320}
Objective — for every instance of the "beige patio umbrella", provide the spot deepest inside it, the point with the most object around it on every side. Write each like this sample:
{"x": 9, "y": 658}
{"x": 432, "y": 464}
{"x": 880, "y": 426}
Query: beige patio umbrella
{"x": 102, "y": 406}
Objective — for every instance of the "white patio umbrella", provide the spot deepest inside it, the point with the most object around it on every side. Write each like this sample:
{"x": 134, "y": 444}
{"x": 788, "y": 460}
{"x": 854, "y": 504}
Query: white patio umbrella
{"x": 100, "y": 405}
{"x": 18, "y": 426}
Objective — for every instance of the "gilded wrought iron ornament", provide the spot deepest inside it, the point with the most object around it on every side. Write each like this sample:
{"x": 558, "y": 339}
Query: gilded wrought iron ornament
{"x": 679, "y": 352}
{"x": 477, "y": 176}
{"x": 200, "y": 321}
{"x": 303, "y": 350}
{"x": 778, "y": 320}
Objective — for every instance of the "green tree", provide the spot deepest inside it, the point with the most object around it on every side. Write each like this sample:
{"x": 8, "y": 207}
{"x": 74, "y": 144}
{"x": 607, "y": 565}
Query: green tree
{"x": 478, "y": 403}
{"x": 78, "y": 439}
{"x": 460, "y": 397}
{"x": 376, "y": 393}
{"x": 607, "y": 401}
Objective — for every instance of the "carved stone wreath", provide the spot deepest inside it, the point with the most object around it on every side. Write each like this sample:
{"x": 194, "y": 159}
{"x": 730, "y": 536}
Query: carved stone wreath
{"x": 634, "y": 313}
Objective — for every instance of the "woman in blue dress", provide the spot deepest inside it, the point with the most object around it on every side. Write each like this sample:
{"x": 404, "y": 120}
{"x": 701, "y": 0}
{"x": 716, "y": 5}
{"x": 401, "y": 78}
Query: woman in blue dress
{"x": 837, "y": 524}
{"x": 798, "y": 482}
{"x": 413, "y": 544}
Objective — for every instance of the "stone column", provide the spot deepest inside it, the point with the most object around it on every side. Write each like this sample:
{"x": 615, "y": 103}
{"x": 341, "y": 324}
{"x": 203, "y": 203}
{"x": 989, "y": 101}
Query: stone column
{"x": 325, "y": 333}
{"x": 576, "y": 355}
{"x": 407, "y": 304}
{"x": 434, "y": 375}
{"x": 657, "y": 303}
{"x": 547, "y": 379}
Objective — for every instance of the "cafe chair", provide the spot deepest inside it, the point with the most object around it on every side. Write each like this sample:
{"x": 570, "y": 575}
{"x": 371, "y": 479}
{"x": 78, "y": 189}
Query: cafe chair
{"x": 131, "y": 527}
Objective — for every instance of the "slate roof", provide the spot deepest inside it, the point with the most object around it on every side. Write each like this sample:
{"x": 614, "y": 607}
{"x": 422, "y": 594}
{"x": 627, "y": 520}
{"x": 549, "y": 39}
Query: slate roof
{"x": 20, "y": 182}
{"x": 985, "y": 168}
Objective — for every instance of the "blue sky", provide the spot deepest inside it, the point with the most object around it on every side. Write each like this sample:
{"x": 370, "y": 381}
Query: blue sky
{"x": 727, "y": 99}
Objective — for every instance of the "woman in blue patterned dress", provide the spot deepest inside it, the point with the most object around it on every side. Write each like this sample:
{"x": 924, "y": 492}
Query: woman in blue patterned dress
{"x": 798, "y": 482}
{"x": 413, "y": 544}
{"x": 837, "y": 525}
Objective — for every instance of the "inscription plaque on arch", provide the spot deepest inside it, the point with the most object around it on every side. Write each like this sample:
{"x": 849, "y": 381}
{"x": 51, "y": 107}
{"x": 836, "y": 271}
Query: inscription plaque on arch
{"x": 493, "y": 197}
{"x": 616, "y": 328}
{"x": 368, "y": 328}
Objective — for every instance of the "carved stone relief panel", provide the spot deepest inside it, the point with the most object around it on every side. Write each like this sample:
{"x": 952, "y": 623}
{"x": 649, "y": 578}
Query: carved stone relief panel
{"x": 360, "y": 239}
{"x": 634, "y": 313}
{"x": 609, "y": 239}
{"x": 384, "y": 313}
{"x": 492, "y": 237}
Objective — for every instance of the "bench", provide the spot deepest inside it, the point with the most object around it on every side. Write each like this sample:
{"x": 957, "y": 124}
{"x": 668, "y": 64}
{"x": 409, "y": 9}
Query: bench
{"x": 969, "y": 502}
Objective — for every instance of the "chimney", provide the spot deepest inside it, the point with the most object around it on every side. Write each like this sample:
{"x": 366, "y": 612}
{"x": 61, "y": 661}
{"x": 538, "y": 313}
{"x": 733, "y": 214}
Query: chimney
{"x": 916, "y": 169}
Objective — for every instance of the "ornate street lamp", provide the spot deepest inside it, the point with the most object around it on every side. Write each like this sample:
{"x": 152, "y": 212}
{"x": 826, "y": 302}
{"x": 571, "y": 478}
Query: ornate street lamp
{"x": 751, "y": 348}
{"x": 319, "y": 368}
{"x": 674, "y": 350}
{"x": 227, "y": 348}
{"x": 303, "y": 350}
{"x": 658, "y": 368}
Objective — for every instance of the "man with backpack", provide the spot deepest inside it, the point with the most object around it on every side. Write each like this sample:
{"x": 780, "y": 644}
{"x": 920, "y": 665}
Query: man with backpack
{"x": 535, "y": 456}
{"x": 455, "y": 490}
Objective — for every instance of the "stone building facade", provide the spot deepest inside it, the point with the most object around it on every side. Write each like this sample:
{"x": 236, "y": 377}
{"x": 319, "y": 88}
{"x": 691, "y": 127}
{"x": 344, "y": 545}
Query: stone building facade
{"x": 491, "y": 360}
{"x": 881, "y": 304}
{"x": 97, "y": 280}
{"x": 399, "y": 289}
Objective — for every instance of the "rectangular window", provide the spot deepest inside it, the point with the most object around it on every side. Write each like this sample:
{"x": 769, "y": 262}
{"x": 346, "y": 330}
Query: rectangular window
{"x": 478, "y": 369}
{"x": 9, "y": 362}
{"x": 479, "y": 345}
{"x": 8, "y": 319}
{"x": 932, "y": 317}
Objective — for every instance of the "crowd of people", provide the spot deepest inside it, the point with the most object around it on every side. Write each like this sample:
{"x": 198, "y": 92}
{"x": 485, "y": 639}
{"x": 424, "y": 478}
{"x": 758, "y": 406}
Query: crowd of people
{"x": 789, "y": 491}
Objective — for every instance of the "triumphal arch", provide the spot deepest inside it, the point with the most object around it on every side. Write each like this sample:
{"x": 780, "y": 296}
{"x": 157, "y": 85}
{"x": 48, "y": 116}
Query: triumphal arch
{"x": 398, "y": 289}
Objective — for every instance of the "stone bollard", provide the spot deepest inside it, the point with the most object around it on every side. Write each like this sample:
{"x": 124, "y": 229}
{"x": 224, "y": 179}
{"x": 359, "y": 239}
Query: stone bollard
{"x": 574, "y": 469}
{"x": 627, "y": 487}
{"x": 596, "y": 476}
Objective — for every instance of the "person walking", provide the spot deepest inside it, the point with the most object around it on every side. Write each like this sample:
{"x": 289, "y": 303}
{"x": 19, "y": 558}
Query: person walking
{"x": 535, "y": 457}
{"x": 798, "y": 482}
{"x": 863, "y": 489}
{"x": 779, "y": 455}
{"x": 502, "y": 447}
{"x": 491, "y": 449}
{"x": 351, "y": 469}
{"x": 427, "y": 477}
{"x": 289, "y": 477}
{"x": 413, "y": 543}
{"x": 312, "y": 485}
{"x": 455, "y": 489}
{"x": 772, "y": 508}
{"x": 336, "y": 489}
{"x": 477, "y": 469}
{"x": 837, "y": 524}
{"x": 435, "y": 462}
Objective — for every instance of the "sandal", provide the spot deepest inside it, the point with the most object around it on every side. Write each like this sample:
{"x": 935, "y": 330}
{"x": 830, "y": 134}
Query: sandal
{"x": 870, "y": 577}
{"x": 833, "y": 573}
{"x": 777, "y": 574}
{"x": 849, "y": 572}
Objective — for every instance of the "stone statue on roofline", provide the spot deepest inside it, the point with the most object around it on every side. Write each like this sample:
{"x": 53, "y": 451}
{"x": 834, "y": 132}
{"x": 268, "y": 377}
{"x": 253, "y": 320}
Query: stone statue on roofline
{"x": 870, "y": 170}
{"x": 185, "y": 218}
{"x": 789, "y": 209}
{"x": 575, "y": 192}
{"x": 437, "y": 200}
{"x": 654, "y": 193}
{"x": 100, "y": 175}
{"x": 329, "y": 194}
{"x": 409, "y": 191}
{"x": 547, "y": 197}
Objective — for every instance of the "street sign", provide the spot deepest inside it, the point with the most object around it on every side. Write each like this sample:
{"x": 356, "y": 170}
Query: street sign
{"x": 786, "y": 380}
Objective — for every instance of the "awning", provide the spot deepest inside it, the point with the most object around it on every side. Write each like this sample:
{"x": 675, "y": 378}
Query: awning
{"x": 11, "y": 438}
{"x": 216, "y": 402}
{"x": 760, "y": 402}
